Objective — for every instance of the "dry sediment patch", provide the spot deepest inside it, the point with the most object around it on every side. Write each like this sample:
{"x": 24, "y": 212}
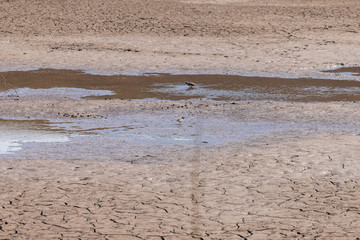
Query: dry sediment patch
{"x": 282, "y": 190}
{"x": 255, "y": 37}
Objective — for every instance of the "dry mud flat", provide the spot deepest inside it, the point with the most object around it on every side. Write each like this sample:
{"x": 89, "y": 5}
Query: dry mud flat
{"x": 293, "y": 189}
{"x": 272, "y": 37}
{"x": 303, "y": 189}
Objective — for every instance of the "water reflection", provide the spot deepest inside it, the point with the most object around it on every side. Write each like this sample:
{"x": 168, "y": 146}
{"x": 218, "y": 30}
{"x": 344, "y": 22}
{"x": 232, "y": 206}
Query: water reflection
{"x": 70, "y": 93}
{"x": 84, "y": 136}
{"x": 348, "y": 71}
{"x": 256, "y": 93}
{"x": 13, "y": 133}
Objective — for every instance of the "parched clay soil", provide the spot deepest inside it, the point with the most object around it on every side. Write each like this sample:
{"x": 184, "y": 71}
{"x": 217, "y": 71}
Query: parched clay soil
{"x": 297, "y": 189}
{"x": 259, "y": 37}
{"x": 292, "y": 184}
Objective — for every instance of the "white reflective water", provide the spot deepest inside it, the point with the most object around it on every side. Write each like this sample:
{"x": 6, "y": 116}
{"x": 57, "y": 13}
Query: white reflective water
{"x": 71, "y": 93}
{"x": 136, "y": 134}
{"x": 15, "y": 133}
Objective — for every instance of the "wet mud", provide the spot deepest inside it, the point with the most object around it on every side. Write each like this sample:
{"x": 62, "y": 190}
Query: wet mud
{"x": 173, "y": 87}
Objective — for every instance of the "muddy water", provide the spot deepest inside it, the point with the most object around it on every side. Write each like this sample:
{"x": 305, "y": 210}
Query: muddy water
{"x": 173, "y": 87}
{"x": 353, "y": 71}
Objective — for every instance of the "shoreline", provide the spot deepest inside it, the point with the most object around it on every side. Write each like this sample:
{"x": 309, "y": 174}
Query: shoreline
{"x": 327, "y": 75}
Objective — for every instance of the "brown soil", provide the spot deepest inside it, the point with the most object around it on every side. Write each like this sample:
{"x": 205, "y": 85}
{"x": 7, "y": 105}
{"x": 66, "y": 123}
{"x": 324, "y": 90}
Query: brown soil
{"x": 281, "y": 38}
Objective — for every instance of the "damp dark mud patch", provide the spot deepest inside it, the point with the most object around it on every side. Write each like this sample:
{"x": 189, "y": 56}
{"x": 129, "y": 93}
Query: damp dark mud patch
{"x": 352, "y": 71}
{"x": 173, "y": 87}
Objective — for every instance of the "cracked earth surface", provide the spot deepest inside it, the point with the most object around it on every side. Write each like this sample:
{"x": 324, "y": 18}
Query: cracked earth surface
{"x": 307, "y": 191}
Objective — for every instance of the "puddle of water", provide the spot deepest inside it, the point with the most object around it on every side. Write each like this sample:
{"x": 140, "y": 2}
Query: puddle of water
{"x": 71, "y": 93}
{"x": 352, "y": 71}
{"x": 115, "y": 138}
{"x": 316, "y": 93}
{"x": 163, "y": 129}
{"x": 173, "y": 87}
{"x": 14, "y": 133}
{"x": 85, "y": 136}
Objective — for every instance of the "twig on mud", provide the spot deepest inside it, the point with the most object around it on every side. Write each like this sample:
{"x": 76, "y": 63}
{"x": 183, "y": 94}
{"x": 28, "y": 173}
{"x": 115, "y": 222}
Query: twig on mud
{"x": 11, "y": 89}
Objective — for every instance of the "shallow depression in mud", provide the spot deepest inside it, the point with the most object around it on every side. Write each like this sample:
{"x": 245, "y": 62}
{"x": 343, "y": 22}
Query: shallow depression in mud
{"x": 77, "y": 84}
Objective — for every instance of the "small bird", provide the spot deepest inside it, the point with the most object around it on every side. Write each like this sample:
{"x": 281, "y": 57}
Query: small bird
{"x": 190, "y": 84}
{"x": 180, "y": 119}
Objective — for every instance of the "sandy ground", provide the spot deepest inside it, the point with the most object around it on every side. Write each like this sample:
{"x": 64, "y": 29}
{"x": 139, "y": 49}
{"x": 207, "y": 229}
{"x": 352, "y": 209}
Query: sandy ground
{"x": 290, "y": 185}
{"x": 281, "y": 38}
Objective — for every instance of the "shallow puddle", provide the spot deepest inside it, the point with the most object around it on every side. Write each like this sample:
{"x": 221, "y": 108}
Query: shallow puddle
{"x": 132, "y": 134}
{"x": 71, "y": 93}
{"x": 15, "y": 133}
{"x": 352, "y": 71}
{"x": 77, "y": 84}
{"x": 58, "y": 140}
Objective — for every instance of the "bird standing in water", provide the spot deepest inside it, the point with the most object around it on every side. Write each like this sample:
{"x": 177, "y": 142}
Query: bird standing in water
{"x": 180, "y": 119}
{"x": 190, "y": 84}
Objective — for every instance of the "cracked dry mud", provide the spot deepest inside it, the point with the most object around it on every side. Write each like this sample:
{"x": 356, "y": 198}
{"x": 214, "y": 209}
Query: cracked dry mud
{"x": 309, "y": 191}
{"x": 257, "y": 37}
